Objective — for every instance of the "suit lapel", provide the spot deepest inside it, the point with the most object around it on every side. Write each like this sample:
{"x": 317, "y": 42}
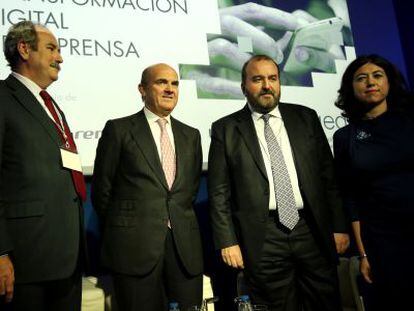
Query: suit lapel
{"x": 297, "y": 139}
{"x": 179, "y": 142}
{"x": 30, "y": 103}
{"x": 248, "y": 132}
{"x": 142, "y": 135}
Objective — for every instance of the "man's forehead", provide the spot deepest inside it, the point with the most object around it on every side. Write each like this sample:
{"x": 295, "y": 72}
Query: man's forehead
{"x": 163, "y": 72}
{"x": 261, "y": 65}
{"x": 46, "y": 34}
{"x": 261, "y": 68}
{"x": 42, "y": 30}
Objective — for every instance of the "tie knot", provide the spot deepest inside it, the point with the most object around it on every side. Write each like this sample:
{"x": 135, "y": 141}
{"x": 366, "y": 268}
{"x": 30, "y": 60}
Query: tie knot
{"x": 266, "y": 117}
{"x": 45, "y": 95}
{"x": 162, "y": 123}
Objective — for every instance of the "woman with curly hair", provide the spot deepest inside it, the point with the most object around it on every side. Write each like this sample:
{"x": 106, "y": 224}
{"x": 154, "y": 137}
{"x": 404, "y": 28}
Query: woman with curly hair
{"x": 374, "y": 156}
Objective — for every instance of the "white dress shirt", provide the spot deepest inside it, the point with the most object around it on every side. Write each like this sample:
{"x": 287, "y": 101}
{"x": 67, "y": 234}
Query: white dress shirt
{"x": 278, "y": 128}
{"x": 152, "y": 119}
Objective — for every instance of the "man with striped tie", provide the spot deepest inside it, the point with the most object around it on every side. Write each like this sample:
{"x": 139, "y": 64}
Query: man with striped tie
{"x": 275, "y": 209}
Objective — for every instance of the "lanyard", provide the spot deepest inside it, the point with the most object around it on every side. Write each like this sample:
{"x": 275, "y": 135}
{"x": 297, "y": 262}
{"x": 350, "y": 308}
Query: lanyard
{"x": 60, "y": 126}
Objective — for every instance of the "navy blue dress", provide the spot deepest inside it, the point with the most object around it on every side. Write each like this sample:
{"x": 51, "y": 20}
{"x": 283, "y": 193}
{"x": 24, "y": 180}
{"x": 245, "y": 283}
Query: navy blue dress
{"x": 375, "y": 165}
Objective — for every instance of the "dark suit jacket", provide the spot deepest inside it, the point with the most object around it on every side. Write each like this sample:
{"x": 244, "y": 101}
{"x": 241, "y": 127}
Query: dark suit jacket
{"x": 239, "y": 188}
{"x": 40, "y": 217}
{"x": 131, "y": 196}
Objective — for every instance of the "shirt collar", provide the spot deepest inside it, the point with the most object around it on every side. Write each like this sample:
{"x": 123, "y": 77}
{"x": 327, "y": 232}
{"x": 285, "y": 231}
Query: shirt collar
{"x": 257, "y": 115}
{"x": 152, "y": 117}
{"x": 33, "y": 87}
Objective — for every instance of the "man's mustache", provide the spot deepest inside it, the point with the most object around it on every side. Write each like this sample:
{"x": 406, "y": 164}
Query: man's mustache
{"x": 266, "y": 92}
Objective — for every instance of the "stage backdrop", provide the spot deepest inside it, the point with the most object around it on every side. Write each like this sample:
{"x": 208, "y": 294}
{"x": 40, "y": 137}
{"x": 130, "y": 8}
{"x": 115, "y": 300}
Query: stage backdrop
{"x": 107, "y": 43}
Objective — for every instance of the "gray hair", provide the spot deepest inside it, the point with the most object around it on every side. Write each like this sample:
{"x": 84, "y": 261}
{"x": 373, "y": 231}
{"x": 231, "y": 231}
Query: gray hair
{"x": 23, "y": 31}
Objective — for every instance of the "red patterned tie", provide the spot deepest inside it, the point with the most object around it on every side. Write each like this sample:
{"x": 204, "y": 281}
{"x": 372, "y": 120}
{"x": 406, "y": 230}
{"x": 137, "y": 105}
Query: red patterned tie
{"x": 78, "y": 180}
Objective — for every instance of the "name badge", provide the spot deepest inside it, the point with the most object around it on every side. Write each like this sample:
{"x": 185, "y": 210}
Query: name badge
{"x": 71, "y": 160}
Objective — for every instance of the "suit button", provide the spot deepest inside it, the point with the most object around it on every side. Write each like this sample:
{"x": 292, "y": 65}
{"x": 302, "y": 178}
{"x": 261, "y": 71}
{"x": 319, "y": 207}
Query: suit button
{"x": 266, "y": 192}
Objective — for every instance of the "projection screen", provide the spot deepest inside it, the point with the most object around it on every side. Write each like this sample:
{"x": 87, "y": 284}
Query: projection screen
{"x": 107, "y": 43}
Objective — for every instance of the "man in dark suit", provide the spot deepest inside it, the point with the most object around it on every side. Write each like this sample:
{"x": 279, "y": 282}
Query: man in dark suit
{"x": 146, "y": 177}
{"x": 40, "y": 192}
{"x": 274, "y": 205}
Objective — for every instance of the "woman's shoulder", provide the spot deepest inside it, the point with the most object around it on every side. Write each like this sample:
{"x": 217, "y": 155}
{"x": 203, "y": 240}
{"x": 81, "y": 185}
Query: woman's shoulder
{"x": 342, "y": 132}
{"x": 410, "y": 109}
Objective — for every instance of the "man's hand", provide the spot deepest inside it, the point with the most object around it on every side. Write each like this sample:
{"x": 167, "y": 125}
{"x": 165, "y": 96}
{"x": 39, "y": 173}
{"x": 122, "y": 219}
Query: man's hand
{"x": 6, "y": 278}
{"x": 341, "y": 242}
{"x": 232, "y": 256}
{"x": 365, "y": 269}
